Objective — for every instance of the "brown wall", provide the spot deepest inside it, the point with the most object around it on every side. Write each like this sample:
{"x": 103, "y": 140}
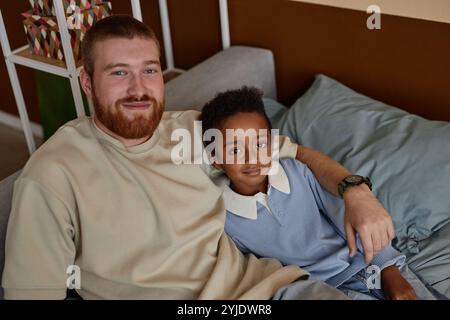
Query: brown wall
{"x": 195, "y": 31}
{"x": 405, "y": 64}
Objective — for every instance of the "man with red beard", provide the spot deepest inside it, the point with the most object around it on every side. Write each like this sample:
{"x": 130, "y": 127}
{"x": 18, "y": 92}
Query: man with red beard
{"x": 102, "y": 208}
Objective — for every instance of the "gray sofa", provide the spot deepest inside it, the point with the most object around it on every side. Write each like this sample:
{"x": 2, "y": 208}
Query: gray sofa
{"x": 228, "y": 69}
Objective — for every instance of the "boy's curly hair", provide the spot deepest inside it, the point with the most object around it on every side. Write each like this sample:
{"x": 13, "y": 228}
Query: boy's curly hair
{"x": 228, "y": 103}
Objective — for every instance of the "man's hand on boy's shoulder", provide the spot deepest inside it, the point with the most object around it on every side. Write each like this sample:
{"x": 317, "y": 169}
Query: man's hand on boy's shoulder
{"x": 366, "y": 216}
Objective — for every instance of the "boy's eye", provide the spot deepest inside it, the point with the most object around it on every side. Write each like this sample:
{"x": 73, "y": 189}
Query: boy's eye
{"x": 235, "y": 151}
{"x": 261, "y": 145}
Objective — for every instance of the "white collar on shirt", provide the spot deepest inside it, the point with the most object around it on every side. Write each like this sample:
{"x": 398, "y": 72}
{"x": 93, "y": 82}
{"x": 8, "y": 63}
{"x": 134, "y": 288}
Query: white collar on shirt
{"x": 245, "y": 206}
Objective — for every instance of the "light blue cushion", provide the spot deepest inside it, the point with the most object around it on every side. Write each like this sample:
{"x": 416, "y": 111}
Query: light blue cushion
{"x": 275, "y": 111}
{"x": 407, "y": 157}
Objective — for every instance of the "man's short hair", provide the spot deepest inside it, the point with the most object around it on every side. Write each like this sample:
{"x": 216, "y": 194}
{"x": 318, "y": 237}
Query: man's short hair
{"x": 228, "y": 103}
{"x": 116, "y": 26}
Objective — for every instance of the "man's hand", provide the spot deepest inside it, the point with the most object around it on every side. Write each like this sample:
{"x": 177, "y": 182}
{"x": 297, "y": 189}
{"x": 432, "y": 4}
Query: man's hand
{"x": 366, "y": 216}
{"x": 395, "y": 287}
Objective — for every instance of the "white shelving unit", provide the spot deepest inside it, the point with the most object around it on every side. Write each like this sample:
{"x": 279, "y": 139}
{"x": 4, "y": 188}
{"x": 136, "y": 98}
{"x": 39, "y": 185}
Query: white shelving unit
{"x": 69, "y": 69}
{"x": 22, "y": 56}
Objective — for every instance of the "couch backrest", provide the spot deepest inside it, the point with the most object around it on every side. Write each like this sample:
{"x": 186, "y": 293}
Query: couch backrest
{"x": 229, "y": 69}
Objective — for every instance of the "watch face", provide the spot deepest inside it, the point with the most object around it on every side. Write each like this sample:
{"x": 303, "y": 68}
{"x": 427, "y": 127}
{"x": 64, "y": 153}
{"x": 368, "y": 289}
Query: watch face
{"x": 354, "y": 179}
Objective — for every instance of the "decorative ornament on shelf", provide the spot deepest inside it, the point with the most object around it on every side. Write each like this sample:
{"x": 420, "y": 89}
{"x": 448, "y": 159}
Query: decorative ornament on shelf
{"x": 42, "y": 29}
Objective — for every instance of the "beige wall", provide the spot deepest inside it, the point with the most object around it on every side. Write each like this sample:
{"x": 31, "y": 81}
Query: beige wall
{"x": 434, "y": 10}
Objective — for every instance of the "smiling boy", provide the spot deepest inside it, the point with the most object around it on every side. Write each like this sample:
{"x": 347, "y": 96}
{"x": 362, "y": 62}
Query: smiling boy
{"x": 278, "y": 209}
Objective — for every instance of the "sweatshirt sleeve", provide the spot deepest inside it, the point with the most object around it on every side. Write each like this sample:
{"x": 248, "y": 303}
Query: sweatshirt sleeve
{"x": 39, "y": 244}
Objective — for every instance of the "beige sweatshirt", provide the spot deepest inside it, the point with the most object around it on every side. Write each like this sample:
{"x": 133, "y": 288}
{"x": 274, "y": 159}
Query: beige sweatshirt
{"x": 137, "y": 225}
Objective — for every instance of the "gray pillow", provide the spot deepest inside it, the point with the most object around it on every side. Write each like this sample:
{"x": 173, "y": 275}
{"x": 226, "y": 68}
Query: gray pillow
{"x": 407, "y": 157}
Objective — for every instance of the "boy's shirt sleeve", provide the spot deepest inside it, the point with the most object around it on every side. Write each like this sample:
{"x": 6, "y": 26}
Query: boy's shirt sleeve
{"x": 388, "y": 257}
{"x": 334, "y": 209}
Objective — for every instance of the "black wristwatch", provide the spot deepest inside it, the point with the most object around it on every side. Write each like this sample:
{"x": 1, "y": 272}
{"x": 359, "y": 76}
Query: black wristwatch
{"x": 351, "y": 181}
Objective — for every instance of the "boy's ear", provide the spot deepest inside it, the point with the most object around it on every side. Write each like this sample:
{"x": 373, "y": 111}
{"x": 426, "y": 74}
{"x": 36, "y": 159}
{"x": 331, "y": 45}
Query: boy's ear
{"x": 214, "y": 163}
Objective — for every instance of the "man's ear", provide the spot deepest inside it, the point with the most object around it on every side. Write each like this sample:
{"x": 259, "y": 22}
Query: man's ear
{"x": 86, "y": 83}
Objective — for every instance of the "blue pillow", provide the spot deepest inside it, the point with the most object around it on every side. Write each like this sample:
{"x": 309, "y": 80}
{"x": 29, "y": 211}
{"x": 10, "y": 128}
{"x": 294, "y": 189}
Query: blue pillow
{"x": 275, "y": 112}
{"x": 407, "y": 157}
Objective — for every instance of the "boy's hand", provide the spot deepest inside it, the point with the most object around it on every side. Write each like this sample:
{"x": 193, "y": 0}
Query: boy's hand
{"x": 395, "y": 287}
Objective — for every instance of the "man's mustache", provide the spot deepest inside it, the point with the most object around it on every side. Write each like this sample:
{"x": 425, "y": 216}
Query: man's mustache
{"x": 144, "y": 98}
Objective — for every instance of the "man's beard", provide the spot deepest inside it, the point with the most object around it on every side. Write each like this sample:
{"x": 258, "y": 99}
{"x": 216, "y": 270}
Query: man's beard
{"x": 138, "y": 127}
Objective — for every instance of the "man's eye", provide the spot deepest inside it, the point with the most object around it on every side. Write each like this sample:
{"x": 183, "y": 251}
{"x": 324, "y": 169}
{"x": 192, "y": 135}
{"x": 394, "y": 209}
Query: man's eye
{"x": 119, "y": 73}
{"x": 149, "y": 71}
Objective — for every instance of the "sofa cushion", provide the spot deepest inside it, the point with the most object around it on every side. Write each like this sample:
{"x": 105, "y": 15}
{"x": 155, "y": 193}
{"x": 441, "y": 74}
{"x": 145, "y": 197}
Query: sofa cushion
{"x": 229, "y": 69}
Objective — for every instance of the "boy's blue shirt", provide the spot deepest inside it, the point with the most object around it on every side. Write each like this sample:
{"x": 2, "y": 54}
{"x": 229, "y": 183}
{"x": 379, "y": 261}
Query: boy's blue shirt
{"x": 298, "y": 223}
